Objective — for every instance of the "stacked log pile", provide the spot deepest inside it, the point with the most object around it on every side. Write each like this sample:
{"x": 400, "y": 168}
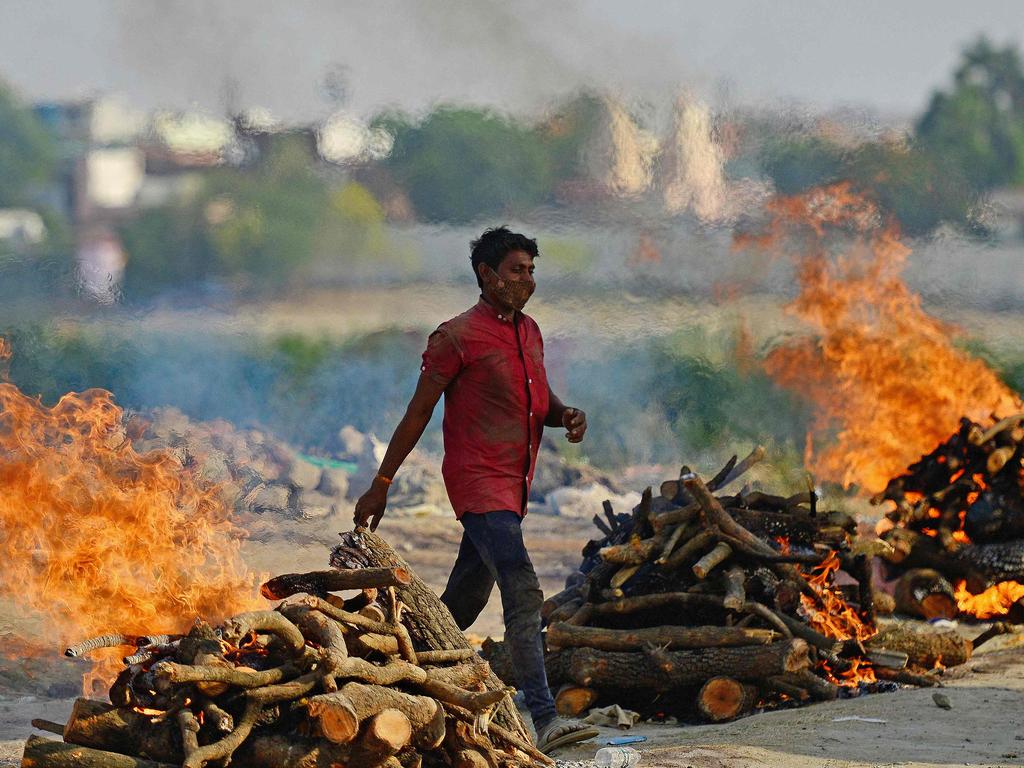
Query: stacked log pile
{"x": 318, "y": 681}
{"x": 708, "y": 606}
{"x": 957, "y": 525}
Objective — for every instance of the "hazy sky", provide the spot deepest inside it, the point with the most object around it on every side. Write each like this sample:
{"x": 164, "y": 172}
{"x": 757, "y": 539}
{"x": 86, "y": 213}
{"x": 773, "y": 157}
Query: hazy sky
{"x": 885, "y": 55}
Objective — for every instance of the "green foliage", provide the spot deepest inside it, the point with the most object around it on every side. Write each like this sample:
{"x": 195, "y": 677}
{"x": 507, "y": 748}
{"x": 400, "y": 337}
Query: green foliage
{"x": 797, "y": 164}
{"x": 979, "y": 123}
{"x": 262, "y": 225}
{"x": 711, "y": 402}
{"x": 27, "y": 151}
{"x": 920, "y": 188}
{"x": 459, "y": 164}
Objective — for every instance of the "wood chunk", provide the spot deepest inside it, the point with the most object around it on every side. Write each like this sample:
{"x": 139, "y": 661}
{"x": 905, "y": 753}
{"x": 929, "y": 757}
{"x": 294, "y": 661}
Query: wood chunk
{"x": 566, "y": 636}
{"x": 574, "y": 700}
{"x": 723, "y": 698}
{"x": 121, "y": 729}
{"x": 926, "y": 649}
{"x": 320, "y": 582}
{"x": 712, "y": 560}
{"x": 633, "y": 671}
{"x": 46, "y": 753}
{"x": 925, "y": 593}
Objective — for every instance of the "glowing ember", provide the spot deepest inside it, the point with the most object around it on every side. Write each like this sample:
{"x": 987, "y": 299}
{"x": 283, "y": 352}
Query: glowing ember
{"x": 994, "y": 602}
{"x": 885, "y": 380}
{"x": 98, "y": 538}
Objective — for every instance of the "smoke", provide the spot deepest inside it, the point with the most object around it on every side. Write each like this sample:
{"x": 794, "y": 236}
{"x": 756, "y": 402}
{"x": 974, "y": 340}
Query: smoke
{"x": 304, "y": 59}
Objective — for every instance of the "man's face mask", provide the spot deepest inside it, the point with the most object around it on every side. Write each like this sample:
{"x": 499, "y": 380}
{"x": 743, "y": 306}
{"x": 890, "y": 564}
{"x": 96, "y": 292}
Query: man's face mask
{"x": 515, "y": 293}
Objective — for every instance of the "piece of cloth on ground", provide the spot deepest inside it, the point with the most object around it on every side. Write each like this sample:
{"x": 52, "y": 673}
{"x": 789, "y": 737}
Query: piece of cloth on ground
{"x": 612, "y": 715}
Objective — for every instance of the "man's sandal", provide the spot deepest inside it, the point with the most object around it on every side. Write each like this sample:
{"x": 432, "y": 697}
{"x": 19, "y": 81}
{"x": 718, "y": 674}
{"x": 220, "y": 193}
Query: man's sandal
{"x": 561, "y": 732}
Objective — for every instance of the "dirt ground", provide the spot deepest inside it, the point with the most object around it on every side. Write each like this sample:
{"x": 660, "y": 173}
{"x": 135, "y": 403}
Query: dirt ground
{"x": 985, "y": 726}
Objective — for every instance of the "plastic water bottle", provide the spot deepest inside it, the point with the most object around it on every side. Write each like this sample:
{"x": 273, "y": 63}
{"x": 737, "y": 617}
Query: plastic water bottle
{"x": 616, "y": 757}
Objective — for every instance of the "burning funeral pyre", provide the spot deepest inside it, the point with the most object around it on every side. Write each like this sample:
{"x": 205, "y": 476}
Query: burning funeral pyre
{"x": 318, "y": 681}
{"x": 708, "y": 606}
{"x": 957, "y": 525}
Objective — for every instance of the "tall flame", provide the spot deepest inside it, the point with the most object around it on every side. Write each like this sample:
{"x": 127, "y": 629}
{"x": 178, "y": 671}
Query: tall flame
{"x": 97, "y": 538}
{"x": 885, "y": 380}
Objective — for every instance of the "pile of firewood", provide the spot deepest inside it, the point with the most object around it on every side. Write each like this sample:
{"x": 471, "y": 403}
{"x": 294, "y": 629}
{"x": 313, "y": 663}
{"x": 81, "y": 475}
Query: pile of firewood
{"x": 706, "y": 607}
{"x": 317, "y": 681}
{"x": 959, "y": 517}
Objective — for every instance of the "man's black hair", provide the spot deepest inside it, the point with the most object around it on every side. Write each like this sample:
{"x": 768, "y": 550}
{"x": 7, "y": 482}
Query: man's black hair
{"x": 492, "y": 246}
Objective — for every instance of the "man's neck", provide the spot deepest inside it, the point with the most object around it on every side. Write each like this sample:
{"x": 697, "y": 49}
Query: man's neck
{"x": 509, "y": 310}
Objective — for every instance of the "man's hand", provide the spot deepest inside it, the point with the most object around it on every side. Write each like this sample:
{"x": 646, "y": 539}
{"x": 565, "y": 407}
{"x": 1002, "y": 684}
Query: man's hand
{"x": 575, "y": 422}
{"x": 371, "y": 506}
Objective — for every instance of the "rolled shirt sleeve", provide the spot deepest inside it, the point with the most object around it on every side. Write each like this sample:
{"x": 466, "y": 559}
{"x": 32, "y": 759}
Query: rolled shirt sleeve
{"x": 442, "y": 359}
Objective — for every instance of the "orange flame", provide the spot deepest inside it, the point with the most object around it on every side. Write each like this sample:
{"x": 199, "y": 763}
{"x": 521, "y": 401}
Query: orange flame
{"x": 98, "y": 538}
{"x": 886, "y": 383}
{"x": 833, "y": 617}
{"x": 994, "y": 602}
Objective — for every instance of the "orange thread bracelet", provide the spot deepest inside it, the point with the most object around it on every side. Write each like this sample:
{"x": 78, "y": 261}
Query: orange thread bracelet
{"x": 385, "y": 480}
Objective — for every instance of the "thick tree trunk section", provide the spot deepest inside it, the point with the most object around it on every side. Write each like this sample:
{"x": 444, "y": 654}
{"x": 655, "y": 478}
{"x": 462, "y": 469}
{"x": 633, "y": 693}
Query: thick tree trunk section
{"x": 723, "y": 698}
{"x": 925, "y": 649}
{"x": 101, "y": 726}
{"x": 636, "y": 671}
{"x": 44, "y": 753}
{"x": 574, "y": 700}
{"x": 430, "y": 623}
{"x": 341, "y": 713}
{"x": 566, "y": 636}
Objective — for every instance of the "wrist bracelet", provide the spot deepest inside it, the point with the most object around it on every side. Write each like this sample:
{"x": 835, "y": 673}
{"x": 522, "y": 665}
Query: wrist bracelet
{"x": 386, "y": 480}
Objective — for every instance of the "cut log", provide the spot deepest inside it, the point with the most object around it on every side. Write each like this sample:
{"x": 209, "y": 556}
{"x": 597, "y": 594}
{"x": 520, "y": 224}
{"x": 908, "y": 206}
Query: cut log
{"x": 723, "y": 698}
{"x": 926, "y": 649}
{"x": 322, "y": 582}
{"x": 925, "y": 593}
{"x": 735, "y": 593}
{"x": 711, "y": 560}
{"x": 339, "y": 714}
{"x": 122, "y": 729}
{"x": 46, "y": 753}
{"x": 568, "y": 636}
{"x": 634, "y": 671}
{"x": 385, "y": 734}
{"x": 429, "y": 621}
{"x": 574, "y": 700}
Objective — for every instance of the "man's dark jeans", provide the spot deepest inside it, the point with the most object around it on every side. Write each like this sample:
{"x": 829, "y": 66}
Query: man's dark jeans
{"x": 492, "y": 550}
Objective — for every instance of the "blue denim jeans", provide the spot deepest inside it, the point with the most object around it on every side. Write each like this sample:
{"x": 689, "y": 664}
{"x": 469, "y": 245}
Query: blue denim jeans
{"x": 492, "y": 551}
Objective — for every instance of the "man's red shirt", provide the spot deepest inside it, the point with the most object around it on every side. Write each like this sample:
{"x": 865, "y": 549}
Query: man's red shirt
{"x": 495, "y": 403}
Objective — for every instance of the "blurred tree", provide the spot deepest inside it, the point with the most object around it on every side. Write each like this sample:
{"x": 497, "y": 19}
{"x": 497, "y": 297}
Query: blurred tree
{"x": 979, "y": 123}
{"x": 797, "y": 164}
{"x": 27, "y": 150}
{"x": 460, "y": 164}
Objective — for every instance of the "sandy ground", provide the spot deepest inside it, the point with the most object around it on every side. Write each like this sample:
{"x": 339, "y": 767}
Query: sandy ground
{"x": 985, "y": 726}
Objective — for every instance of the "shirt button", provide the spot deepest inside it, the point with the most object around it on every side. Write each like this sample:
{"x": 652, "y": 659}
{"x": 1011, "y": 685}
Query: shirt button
{"x": 531, "y": 413}
{"x": 529, "y": 381}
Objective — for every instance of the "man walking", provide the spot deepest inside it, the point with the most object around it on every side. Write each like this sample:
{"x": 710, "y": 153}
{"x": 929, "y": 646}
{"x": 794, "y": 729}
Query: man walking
{"x": 489, "y": 364}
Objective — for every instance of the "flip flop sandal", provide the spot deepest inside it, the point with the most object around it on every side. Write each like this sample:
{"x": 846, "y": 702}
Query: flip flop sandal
{"x": 578, "y": 732}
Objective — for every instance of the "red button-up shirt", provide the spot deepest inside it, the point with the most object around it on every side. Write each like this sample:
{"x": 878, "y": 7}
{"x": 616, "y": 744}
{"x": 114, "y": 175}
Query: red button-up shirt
{"x": 495, "y": 403}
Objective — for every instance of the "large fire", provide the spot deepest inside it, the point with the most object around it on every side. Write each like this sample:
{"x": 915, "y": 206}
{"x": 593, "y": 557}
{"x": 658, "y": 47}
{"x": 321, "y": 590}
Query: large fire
{"x": 97, "y": 538}
{"x": 886, "y": 382}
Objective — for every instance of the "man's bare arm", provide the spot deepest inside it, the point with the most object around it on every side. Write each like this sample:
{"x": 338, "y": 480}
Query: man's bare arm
{"x": 408, "y": 432}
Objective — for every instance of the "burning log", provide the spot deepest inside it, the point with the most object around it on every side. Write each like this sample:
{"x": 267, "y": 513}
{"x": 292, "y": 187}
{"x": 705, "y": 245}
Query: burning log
{"x": 925, "y": 649}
